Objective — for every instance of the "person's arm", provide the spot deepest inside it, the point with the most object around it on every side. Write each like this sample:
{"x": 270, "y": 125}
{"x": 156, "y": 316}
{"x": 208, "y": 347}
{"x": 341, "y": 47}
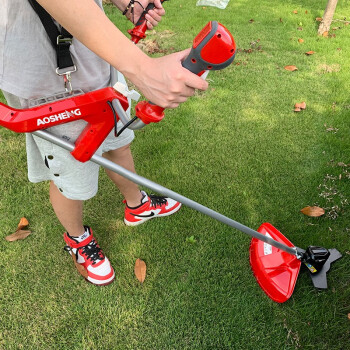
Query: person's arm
{"x": 162, "y": 80}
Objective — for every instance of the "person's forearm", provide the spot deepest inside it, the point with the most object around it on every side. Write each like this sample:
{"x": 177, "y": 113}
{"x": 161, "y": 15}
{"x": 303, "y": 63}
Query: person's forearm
{"x": 87, "y": 22}
{"x": 162, "y": 80}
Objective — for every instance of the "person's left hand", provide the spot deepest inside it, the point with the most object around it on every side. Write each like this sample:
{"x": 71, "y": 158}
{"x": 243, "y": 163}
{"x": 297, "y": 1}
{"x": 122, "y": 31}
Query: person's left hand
{"x": 153, "y": 17}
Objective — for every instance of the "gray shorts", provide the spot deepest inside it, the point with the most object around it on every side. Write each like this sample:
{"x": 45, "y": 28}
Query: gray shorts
{"x": 47, "y": 161}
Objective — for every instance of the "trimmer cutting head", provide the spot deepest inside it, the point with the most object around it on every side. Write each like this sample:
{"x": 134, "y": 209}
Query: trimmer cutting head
{"x": 318, "y": 260}
{"x": 277, "y": 271}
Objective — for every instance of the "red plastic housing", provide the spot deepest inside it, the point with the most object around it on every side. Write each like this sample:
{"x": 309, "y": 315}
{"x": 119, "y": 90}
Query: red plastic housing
{"x": 275, "y": 270}
{"x": 202, "y": 35}
{"x": 91, "y": 107}
{"x": 220, "y": 47}
{"x": 138, "y": 32}
{"x": 149, "y": 112}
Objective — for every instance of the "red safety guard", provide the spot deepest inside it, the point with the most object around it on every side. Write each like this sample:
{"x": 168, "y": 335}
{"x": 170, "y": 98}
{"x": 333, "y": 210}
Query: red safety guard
{"x": 91, "y": 107}
{"x": 275, "y": 270}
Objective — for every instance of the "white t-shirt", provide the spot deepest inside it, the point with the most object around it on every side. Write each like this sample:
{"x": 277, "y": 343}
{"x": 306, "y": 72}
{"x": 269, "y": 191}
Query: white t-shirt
{"x": 28, "y": 59}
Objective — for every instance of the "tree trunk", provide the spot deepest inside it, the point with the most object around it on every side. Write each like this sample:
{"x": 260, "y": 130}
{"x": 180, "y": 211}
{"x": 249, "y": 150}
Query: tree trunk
{"x": 327, "y": 17}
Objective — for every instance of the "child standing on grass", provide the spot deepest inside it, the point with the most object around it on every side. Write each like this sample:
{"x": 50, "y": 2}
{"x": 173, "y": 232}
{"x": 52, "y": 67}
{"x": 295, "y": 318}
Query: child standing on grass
{"x": 28, "y": 71}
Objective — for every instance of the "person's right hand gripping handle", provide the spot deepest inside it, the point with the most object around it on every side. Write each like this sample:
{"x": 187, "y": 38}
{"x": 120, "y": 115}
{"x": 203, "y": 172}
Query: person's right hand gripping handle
{"x": 213, "y": 49}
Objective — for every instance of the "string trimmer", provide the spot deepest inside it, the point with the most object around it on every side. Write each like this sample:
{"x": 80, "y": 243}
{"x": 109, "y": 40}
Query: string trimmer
{"x": 275, "y": 261}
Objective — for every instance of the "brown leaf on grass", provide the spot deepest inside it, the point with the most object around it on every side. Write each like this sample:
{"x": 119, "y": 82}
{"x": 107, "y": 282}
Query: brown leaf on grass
{"x": 325, "y": 34}
{"x": 251, "y": 20}
{"x": 309, "y": 53}
{"x": 297, "y": 109}
{"x": 313, "y": 211}
{"x": 300, "y": 40}
{"x": 79, "y": 267}
{"x": 18, "y": 235}
{"x": 301, "y": 105}
{"x": 291, "y": 68}
{"x": 295, "y": 11}
{"x": 140, "y": 270}
{"x": 318, "y": 19}
{"x": 22, "y": 223}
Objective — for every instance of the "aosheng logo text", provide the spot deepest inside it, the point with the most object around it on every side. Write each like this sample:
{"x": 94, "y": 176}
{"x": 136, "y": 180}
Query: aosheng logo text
{"x": 60, "y": 116}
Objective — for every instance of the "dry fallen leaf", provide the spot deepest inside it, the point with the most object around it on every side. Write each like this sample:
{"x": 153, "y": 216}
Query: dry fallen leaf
{"x": 297, "y": 109}
{"x": 313, "y": 211}
{"x": 325, "y": 34}
{"x": 301, "y": 105}
{"x": 291, "y": 68}
{"x": 18, "y": 235}
{"x": 79, "y": 267}
{"x": 22, "y": 223}
{"x": 309, "y": 53}
{"x": 318, "y": 19}
{"x": 140, "y": 270}
{"x": 300, "y": 40}
{"x": 295, "y": 11}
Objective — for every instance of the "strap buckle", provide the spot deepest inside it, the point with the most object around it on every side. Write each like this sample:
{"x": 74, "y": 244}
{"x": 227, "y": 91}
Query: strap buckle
{"x": 63, "y": 39}
{"x": 66, "y": 72}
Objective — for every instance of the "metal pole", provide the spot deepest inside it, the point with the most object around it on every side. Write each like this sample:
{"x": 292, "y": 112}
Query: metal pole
{"x": 168, "y": 193}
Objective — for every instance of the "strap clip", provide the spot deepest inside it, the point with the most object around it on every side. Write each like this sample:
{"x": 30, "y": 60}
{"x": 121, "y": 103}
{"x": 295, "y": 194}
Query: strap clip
{"x": 66, "y": 72}
{"x": 63, "y": 40}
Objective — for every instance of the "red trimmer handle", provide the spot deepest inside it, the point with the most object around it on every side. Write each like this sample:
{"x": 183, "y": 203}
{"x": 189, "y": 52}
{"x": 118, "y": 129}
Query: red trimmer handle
{"x": 213, "y": 49}
{"x": 138, "y": 32}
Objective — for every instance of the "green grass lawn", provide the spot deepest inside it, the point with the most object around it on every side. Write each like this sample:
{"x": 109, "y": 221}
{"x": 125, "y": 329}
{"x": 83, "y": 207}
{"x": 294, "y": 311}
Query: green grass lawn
{"x": 238, "y": 148}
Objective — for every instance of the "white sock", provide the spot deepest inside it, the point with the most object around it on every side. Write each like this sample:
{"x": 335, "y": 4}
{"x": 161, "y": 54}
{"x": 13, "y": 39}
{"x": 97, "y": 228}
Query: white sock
{"x": 80, "y": 238}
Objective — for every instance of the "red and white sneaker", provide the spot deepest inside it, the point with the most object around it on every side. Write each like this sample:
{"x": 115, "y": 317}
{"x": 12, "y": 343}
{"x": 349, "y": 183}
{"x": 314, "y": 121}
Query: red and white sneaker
{"x": 151, "y": 207}
{"x": 96, "y": 267}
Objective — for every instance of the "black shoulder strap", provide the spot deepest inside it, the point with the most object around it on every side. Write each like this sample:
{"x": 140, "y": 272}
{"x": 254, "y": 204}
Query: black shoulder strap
{"x": 60, "y": 40}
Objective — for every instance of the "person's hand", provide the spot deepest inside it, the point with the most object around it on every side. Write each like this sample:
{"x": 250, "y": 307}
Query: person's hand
{"x": 153, "y": 17}
{"x": 164, "y": 81}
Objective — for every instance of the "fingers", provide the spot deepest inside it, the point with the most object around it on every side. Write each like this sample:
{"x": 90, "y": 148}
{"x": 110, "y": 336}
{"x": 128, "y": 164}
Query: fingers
{"x": 153, "y": 17}
{"x": 165, "y": 82}
{"x": 158, "y": 4}
{"x": 192, "y": 80}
